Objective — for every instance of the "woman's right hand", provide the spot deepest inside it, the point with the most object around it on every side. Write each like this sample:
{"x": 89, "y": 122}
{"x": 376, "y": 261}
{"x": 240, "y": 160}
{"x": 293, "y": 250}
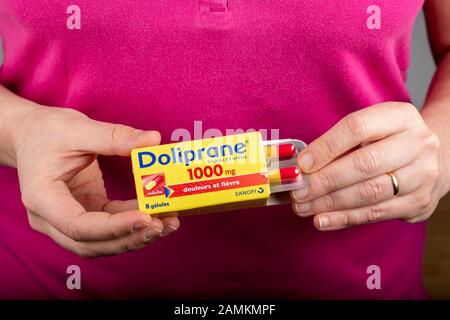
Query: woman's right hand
{"x": 55, "y": 151}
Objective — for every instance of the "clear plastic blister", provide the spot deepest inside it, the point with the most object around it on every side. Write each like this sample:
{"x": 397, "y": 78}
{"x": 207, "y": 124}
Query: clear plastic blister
{"x": 285, "y": 162}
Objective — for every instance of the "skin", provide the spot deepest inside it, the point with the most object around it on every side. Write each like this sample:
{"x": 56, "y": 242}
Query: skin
{"x": 347, "y": 165}
{"x": 64, "y": 194}
{"x": 62, "y": 186}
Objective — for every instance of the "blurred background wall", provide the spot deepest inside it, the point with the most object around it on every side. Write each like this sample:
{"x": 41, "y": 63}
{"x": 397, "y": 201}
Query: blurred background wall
{"x": 436, "y": 268}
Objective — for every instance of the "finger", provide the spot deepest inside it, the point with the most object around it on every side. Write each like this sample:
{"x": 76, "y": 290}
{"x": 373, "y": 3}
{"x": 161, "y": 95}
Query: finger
{"x": 171, "y": 224}
{"x": 116, "y": 206}
{"x": 168, "y": 224}
{"x": 373, "y": 160}
{"x": 397, "y": 208}
{"x": 88, "y": 188}
{"x": 368, "y": 192}
{"x": 55, "y": 203}
{"x": 127, "y": 243}
{"x": 114, "y": 139}
{"x": 362, "y": 126}
{"x": 131, "y": 242}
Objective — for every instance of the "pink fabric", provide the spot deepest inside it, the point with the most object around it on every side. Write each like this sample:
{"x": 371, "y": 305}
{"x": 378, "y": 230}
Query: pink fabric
{"x": 294, "y": 65}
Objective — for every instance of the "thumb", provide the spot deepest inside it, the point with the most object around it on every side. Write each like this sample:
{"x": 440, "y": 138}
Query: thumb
{"x": 115, "y": 139}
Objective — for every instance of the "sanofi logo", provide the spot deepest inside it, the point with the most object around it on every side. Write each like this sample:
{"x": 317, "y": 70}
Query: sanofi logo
{"x": 148, "y": 158}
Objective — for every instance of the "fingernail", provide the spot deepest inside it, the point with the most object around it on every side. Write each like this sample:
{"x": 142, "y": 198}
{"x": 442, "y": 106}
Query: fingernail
{"x": 301, "y": 193}
{"x": 168, "y": 230}
{"x": 150, "y": 234}
{"x": 138, "y": 226}
{"x": 156, "y": 227}
{"x": 306, "y": 161}
{"x": 303, "y": 208}
{"x": 324, "y": 222}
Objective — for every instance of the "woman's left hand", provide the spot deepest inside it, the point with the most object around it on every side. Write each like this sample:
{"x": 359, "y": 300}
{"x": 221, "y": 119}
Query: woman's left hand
{"x": 347, "y": 169}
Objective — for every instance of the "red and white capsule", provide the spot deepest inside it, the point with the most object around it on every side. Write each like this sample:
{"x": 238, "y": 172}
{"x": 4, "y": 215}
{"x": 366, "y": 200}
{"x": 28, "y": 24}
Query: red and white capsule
{"x": 281, "y": 151}
{"x": 284, "y": 175}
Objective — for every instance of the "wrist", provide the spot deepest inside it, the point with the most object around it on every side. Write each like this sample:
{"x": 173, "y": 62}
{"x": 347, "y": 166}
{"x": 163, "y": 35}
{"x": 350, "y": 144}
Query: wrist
{"x": 13, "y": 109}
{"x": 439, "y": 126}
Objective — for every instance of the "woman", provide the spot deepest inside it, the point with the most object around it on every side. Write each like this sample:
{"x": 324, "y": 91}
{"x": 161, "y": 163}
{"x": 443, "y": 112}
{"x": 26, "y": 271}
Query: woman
{"x": 84, "y": 84}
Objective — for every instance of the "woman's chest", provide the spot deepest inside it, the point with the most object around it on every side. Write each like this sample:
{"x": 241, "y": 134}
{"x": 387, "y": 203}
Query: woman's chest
{"x": 307, "y": 20}
{"x": 266, "y": 61}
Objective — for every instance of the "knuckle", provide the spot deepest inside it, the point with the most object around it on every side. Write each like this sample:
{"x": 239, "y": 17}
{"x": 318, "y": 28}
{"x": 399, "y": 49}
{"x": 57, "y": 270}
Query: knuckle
{"x": 349, "y": 219}
{"x": 32, "y": 196}
{"x": 433, "y": 172}
{"x": 423, "y": 200}
{"x": 72, "y": 113}
{"x": 366, "y": 162}
{"x": 118, "y": 131}
{"x": 356, "y": 219}
{"x": 411, "y": 111}
{"x": 370, "y": 191}
{"x": 71, "y": 231}
{"x": 346, "y": 219}
{"x": 330, "y": 148}
{"x": 409, "y": 107}
{"x": 356, "y": 125}
{"x": 112, "y": 234}
{"x": 432, "y": 141}
{"x": 326, "y": 181}
{"x": 372, "y": 214}
{"x": 329, "y": 201}
{"x": 375, "y": 213}
{"x": 63, "y": 115}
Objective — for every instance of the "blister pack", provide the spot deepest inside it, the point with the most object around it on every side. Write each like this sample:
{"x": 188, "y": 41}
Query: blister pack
{"x": 215, "y": 174}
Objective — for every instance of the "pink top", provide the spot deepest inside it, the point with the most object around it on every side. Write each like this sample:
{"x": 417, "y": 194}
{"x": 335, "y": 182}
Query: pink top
{"x": 296, "y": 66}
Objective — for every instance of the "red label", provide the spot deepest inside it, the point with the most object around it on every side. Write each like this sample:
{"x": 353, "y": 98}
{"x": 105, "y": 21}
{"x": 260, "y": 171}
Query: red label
{"x": 213, "y": 185}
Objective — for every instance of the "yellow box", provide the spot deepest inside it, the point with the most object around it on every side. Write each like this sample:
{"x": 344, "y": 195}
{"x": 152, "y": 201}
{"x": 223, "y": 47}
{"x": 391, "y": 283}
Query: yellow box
{"x": 213, "y": 174}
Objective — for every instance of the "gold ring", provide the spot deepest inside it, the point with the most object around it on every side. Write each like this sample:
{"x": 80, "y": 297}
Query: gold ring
{"x": 395, "y": 184}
